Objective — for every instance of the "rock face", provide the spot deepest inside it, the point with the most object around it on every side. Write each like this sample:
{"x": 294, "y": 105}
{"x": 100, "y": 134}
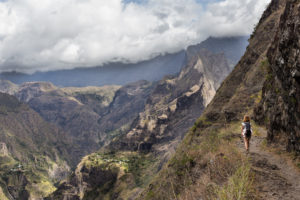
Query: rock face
{"x": 280, "y": 106}
{"x": 175, "y": 103}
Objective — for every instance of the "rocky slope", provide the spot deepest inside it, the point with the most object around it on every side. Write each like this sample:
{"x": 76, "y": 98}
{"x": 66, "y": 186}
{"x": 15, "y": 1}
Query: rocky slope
{"x": 128, "y": 101}
{"x": 33, "y": 153}
{"x": 131, "y": 159}
{"x": 175, "y": 103}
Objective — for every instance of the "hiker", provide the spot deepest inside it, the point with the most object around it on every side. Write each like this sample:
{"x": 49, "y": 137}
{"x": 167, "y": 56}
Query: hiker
{"x": 246, "y": 131}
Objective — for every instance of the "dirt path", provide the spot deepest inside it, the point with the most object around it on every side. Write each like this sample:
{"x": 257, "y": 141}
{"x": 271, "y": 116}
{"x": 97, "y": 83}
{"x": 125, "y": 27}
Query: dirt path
{"x": 276, "y": 177}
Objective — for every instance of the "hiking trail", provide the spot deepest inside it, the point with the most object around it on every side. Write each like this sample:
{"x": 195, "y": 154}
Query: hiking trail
{"x": 277, "y": 178}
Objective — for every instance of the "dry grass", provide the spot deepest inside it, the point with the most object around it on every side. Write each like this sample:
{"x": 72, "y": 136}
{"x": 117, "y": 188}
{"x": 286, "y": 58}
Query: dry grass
{"x": 223, "y": 174}
{"x": 206, "y": 166}
{"x": 239, "y": 186}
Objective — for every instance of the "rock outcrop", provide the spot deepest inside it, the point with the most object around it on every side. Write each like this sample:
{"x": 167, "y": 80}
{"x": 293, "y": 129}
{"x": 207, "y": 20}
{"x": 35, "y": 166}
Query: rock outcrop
{"x": 280, "y": 105}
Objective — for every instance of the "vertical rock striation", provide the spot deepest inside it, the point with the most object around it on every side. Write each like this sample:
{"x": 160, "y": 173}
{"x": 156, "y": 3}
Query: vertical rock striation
{"x": 280, "y": 105}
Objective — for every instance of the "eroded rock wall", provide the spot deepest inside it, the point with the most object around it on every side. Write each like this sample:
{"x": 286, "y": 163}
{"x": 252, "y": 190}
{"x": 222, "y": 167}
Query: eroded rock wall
{"x": 280, "y": 108}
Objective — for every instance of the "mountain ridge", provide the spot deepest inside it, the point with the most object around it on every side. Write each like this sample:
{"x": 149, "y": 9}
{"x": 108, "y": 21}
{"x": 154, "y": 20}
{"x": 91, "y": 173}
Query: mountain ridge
{"x": 121, "y": 74}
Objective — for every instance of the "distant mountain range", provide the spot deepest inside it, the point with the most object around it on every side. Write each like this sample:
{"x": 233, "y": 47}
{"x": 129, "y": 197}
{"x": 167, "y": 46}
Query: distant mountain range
{"x": 121, "y": 74}
{"x": 48, "y": 131}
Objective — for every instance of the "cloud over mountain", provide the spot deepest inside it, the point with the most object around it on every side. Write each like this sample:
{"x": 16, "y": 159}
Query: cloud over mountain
{"x": 55, "y": 34}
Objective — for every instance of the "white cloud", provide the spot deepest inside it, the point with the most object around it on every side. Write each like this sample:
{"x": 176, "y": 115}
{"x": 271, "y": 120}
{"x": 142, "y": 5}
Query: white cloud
{"x": 55, "y": 34}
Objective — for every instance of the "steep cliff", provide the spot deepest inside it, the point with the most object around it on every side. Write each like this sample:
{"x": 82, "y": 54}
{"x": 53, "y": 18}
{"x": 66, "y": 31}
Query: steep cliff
{"x": 279, "y": 109}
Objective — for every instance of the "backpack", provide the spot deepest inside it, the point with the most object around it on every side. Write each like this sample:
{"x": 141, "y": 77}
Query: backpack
{"x": 248, "y": 129}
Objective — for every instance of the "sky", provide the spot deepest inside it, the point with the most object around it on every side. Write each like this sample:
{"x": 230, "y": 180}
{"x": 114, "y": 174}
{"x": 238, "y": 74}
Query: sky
{"x": 42, "y": 35}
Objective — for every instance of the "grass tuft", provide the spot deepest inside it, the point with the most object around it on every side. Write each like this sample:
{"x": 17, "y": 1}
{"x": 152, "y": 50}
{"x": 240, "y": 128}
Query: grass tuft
{"x": 239, "y": 185}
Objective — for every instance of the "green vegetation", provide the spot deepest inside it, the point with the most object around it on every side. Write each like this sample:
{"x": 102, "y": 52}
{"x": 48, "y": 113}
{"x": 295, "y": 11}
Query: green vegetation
{"x": 134, "y": 170}
{"x": 118, "y": 132}
{"x": 257, "y": 97}
{"x": 298, "y": 164}
{"x": 293, "y": 100}
{"x": 269, "y": 76}
{"x": 265, "y": 65}
{"x": 200, "y": 122}
{"x": 128, "y": 162}
{"x": 31, "y": 154}
{"x": 266, "y": 120}
{"x": 39, "y": 184}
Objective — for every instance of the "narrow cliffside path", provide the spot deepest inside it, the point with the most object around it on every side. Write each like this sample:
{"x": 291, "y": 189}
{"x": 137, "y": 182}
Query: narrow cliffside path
{"x": 276, "y": 177}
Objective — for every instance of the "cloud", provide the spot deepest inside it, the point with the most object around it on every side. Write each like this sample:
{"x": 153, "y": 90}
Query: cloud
{"x": 54, "y": 34}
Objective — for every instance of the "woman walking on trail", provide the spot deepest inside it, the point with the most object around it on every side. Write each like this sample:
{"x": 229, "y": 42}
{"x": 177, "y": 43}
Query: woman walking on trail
{"x": 246, "y": 131}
